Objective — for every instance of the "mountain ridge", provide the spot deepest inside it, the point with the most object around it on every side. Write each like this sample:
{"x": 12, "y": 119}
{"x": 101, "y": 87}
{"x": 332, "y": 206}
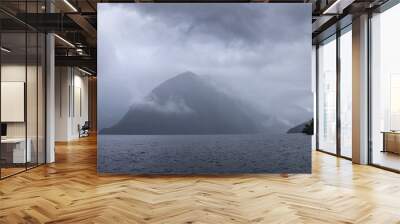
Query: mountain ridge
{"x": 187, "y": 104}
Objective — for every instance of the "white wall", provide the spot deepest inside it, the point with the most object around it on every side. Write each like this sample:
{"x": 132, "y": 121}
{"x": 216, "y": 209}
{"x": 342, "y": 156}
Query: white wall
{"x": 62, "y": 82}
{"x": 80, "y": 112}
{"x": 17, "y": 73}
{"x": 11, "y": 73}
{"x": 71, "y": 102}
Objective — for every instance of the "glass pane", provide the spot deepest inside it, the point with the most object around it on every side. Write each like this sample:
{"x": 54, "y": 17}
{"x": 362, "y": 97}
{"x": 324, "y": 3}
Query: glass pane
{"x": 14, "y": 153}
{"x": 386, "y": 89}
{"x": 346, "y": 94}
{"x": 31, "y": 97}
{"x": 314, "y": 90}
{"x": 41, "y": 99}
{"x": 327, "y": 96}
{"x": 22, "y": 91}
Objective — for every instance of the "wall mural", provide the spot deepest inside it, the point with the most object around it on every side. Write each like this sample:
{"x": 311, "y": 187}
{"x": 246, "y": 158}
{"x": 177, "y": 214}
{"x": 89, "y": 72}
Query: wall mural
{"x": 204, "y": 88}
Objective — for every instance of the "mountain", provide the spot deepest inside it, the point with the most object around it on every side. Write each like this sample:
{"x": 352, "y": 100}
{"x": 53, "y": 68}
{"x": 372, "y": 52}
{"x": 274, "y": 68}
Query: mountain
{"x": 306, "y": 128}
{"x": 187, "y": 104}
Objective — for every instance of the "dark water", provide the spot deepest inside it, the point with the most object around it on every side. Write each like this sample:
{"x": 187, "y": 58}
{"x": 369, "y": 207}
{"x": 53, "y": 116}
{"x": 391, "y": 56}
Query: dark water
{"x": 204, "y": 154}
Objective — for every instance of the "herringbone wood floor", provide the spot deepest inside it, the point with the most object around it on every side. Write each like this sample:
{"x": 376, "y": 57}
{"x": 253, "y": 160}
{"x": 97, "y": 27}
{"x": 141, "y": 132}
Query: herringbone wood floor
{"x": 70, "y": 191}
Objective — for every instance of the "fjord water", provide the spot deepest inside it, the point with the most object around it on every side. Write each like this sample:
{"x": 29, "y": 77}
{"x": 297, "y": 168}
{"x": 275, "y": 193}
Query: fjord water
{"x": 204, "y": 154}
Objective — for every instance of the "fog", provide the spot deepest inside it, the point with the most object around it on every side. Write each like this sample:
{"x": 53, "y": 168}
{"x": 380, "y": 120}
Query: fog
{"x": 260, "y": 53}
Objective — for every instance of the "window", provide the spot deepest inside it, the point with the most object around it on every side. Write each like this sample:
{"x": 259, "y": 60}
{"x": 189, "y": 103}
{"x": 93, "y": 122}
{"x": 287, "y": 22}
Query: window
{"x": 334, "y": 106}
{"x": 346, "y": 93}
{"x": 385, "y": 89}
{"x": 22, "y": 107}
{"x": 327, "y": 95}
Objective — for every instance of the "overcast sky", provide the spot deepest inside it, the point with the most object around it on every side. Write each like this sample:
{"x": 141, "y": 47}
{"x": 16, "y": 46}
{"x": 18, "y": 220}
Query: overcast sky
{"x": 260, "y": 52}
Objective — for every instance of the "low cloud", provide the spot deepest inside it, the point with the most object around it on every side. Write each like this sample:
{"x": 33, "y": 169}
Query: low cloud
{"x": 172, "y": 105}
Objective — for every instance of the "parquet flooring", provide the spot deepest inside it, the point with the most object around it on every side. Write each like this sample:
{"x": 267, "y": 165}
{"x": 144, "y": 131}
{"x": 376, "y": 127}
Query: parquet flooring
{"x": 70, "y": 191}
